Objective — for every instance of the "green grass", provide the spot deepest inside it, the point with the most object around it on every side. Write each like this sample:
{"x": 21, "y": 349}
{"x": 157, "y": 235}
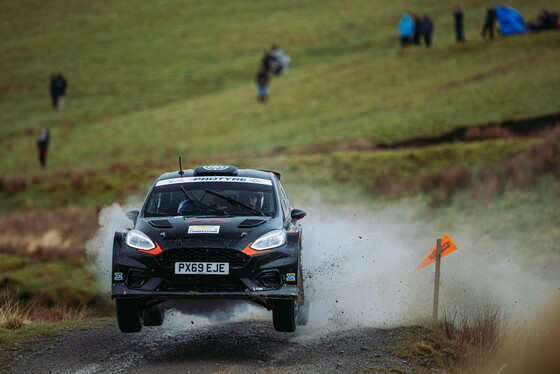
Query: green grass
{"x": 152, "y": 82}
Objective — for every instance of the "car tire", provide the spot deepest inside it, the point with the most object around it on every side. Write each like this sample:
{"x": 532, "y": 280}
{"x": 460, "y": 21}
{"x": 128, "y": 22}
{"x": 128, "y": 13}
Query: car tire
{"x": 128, "y": 315}
{"x": 153, "y": 317}
{"x": 284, "y": 315}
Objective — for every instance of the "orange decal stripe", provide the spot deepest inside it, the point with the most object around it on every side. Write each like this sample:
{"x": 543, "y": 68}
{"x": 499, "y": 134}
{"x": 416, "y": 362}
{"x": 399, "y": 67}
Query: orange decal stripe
{"x": 249, "y": 251}
{"x": 156, "y": 251}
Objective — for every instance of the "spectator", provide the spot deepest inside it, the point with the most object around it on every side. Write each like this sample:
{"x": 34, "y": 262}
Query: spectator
{"x": 406, "y": 28}
{"x": 427, "y": 30}
{"x": 489, "y": 23}
{"x": 43, "y": 146}
{"x": 417, "y": 29}
{"x": 262, "y": 78}
{"x": 458, "y": 16}
{"x": 545, "y": 21}
{"x": 58, "y": 90}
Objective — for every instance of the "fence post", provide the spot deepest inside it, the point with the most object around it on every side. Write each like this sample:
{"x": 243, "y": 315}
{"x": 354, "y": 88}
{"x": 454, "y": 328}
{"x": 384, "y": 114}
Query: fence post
{"x": 436, "y": 280}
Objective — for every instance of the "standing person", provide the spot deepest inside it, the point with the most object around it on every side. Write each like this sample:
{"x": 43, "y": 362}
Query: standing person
{"x": 489, "y": 22}
{"x": 61, "y": 84}
{"x": 262, "y": 78}
{"x": 406, "y": 28}
{"x": 458, "y": 16}
{"x": 427, "y": 30}
{"x": 43, "y": 146}
{"x": 54, "y": 91}
{"x": 417, "y": 29}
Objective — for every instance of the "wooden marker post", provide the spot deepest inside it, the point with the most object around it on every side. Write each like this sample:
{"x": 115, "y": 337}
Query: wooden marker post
{"x": 436, "y": 280}
{"x": 444, "y": 246}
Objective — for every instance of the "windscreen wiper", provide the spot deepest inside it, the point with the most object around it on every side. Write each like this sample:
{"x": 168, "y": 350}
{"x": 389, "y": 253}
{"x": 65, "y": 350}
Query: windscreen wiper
{"x": 200, "y": 204}
{"x": 235, "y": 202}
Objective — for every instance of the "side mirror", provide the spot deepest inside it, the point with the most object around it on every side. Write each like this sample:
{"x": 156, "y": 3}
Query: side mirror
{"x": 132, "y": 215}
{"x": 298, "y": 214}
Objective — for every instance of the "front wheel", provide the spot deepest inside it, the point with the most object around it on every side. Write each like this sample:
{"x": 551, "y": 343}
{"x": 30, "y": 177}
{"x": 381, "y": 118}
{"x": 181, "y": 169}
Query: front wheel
{"x": 128, "y": 315}
{"x": 284, "y": 315}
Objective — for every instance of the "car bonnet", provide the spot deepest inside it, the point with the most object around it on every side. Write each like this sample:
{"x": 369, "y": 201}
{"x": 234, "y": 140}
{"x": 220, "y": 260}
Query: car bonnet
{"x": 188, "y": 232}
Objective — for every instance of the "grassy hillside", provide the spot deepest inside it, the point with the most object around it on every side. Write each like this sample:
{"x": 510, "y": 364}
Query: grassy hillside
{"x": 153, "y": 80}
{"x": 150, "y": 82}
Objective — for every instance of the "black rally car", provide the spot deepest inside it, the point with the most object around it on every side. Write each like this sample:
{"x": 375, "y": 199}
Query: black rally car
{"x": 215, "y": 232}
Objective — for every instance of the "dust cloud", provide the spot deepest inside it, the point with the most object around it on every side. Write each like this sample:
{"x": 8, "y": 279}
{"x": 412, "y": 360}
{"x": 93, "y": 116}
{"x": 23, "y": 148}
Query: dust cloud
{"x": 359, "y": 272}
{"x": 99, "y": 249}
{"x": 360, "y": 267}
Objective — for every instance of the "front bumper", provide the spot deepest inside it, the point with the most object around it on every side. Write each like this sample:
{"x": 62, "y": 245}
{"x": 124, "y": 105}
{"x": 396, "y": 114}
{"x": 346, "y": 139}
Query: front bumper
{"x": 258, "y": 277}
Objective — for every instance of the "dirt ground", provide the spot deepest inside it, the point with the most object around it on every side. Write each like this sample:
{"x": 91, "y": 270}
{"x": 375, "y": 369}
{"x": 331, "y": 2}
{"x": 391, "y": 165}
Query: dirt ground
{"x": 233, "y": 347}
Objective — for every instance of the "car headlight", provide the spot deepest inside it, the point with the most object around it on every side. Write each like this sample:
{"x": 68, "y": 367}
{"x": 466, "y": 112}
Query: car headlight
{"x": 270, "y": 240}
{"x": 137, "y": 239}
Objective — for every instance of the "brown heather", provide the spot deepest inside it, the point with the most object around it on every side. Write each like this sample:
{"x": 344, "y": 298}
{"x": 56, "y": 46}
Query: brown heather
{"x": 57, "y": 235}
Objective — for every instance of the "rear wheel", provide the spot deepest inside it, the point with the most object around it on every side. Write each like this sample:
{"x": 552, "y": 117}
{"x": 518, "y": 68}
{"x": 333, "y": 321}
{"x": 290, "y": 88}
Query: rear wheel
{"x": 284, "y": 315}
{"x": 128, "y": 315}
{"x": 153, "y": 317}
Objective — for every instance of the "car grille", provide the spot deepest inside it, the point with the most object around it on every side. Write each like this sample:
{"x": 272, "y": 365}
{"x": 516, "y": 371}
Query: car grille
{"x": 235, "y": 258}
{"x": 202, "y": 284}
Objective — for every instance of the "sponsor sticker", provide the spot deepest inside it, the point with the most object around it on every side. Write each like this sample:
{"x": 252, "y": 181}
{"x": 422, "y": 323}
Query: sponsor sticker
{"x": 290, "y": 277}
{"x": 167, "y": 182}
{"x": 204, "y": 229}
{"x": 118, "y": 277}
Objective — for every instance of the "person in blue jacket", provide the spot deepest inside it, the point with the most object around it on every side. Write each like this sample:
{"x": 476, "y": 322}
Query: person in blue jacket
{"x": 406, "y": 28}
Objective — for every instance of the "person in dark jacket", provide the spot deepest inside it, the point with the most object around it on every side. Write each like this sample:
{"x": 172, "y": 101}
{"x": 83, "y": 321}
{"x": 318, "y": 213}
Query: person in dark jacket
{"x": 489, "y": 22}
{"x": 427, "y": 30}
{"x": 58, "y": 90}
{"x": 417, "y": 29}
{"x": 262, "y": 78}
{"x": 43, "y": 146}
{"x": 458, "y": 17}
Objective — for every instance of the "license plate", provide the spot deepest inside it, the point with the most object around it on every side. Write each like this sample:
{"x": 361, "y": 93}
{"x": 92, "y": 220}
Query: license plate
{"x": 216, "y": 268}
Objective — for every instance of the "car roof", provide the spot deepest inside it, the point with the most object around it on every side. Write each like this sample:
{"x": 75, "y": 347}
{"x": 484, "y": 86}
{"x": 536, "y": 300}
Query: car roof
{"x": 219, "y": 170}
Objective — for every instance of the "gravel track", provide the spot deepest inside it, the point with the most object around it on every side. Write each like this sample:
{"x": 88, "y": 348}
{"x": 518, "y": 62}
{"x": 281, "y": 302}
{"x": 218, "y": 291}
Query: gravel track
{"x": 232, "y": 347}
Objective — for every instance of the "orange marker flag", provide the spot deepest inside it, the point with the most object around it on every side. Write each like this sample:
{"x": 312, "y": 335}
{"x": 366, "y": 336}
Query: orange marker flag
{"x": 447, "y": 246}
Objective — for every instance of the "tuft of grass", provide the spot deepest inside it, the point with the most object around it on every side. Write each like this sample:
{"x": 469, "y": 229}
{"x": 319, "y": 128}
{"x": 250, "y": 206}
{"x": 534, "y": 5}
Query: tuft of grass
{"x": 478, "y": 339}
{"x": 13, "y": 312}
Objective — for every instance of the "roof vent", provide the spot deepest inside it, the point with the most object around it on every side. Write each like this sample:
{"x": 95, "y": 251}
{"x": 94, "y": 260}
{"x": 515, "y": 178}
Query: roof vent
{"x": 215, "y": 170}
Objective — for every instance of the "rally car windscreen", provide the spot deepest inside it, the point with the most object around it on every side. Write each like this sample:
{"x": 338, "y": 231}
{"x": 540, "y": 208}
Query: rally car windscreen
{"x": 201, "y": 200}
